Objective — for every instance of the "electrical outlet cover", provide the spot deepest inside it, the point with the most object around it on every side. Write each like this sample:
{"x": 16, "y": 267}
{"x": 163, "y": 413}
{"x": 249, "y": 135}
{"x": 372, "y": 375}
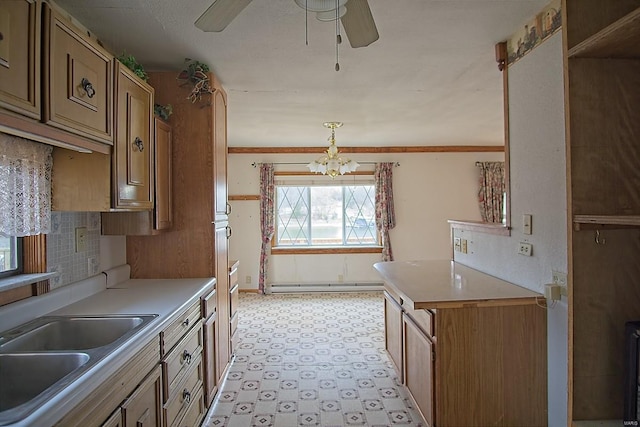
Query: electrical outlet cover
{"x": 525, "y": 248}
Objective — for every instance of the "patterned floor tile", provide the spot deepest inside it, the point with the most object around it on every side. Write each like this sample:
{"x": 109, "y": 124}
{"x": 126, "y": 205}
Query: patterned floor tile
{"x": 312, "y": 360}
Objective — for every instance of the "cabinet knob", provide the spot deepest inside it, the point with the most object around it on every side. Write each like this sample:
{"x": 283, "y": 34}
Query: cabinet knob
{"x": 186, "y": 396}
{"x": 186, "y": 322}
{"x": 88, "y": 87}
{"x": 138, "y": 143}
{"x": 1, "y": 37}
{"x": 186, "y": 356}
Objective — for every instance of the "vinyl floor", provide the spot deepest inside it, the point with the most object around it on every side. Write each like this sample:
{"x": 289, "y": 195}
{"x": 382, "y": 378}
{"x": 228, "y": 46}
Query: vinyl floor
{"x": 314, "y": 359}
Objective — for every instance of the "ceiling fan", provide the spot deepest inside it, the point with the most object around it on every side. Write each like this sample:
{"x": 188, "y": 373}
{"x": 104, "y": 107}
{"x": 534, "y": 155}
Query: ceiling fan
{"x": 355, "y": 16}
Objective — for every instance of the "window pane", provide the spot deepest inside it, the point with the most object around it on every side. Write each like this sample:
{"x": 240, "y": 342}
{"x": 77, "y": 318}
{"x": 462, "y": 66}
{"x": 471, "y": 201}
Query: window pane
{"x": 360, "y": 208}
{"x": 326, "y": 215}
{"x": 292, "y": 220}
{"x": 8, "y": 254}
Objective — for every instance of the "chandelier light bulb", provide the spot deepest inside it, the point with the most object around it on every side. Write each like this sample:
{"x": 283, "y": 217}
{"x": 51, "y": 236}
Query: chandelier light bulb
{"x": 332, "y": 164}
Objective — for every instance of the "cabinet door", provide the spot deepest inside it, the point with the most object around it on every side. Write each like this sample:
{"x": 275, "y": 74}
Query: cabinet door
{"x": 210, "y": 372}
{"x": 393, "y": 332}
{"x": 134, "y": 148}
{"x": 418, "y": 368}
{"x": 163, "y": 205}
{"x": 143, "y": 407}
{"x": 78, "y": 81}
{"x": 220, "y": 155}
{"x": 20, "y": 57}
{"x": 115, "y": 420}
{"x": 223, "y": 350}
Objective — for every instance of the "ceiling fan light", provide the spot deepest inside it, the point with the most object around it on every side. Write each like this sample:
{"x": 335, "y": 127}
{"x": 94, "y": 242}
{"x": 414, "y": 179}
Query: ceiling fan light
{"x": 320, "y": 5}
{"x": 331, "y": 14}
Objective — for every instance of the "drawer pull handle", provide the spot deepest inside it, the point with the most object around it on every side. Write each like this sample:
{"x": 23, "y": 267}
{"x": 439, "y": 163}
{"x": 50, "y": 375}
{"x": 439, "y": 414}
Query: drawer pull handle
{"x": 1, "y": 37}
{"x": 186, "y": 356}
{"x": 139, "y": 144}
{"x": 186, "y": 396}
{"x": 88, "y": 87}
{"x": 228, "y": 209}
{"x": 186, "y": 322}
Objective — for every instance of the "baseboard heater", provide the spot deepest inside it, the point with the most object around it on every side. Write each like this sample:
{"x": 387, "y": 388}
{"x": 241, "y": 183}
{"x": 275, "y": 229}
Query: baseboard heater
{"x": 323, "y": 287}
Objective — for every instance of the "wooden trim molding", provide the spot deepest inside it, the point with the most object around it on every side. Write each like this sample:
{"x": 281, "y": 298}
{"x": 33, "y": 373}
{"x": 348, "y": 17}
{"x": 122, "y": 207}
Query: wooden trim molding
{"x": 34, "y": 260}
{"x": 373, "y": 150}
{"x": 323, "y": 251}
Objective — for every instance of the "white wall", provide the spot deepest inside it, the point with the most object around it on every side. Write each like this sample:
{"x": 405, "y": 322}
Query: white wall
{"x": 429, "y": 189}
{"x": 538, "y": 187}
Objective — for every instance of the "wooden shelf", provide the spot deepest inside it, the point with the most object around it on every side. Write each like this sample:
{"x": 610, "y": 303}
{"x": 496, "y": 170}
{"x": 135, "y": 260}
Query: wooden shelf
{"x": 590, "y": 222}
{"x": 618, "y": 40}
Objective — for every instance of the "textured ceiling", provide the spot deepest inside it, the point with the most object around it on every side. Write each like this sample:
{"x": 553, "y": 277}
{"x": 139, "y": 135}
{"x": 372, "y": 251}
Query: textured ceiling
{"x": 431, "y": 78}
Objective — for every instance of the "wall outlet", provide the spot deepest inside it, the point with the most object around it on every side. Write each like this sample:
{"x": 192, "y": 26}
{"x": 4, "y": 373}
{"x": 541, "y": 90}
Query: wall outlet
{"x": 525, "y": 249}
{"x": 560, "y": 278}
{"x": 457, "y": 244}
{"x": 93, "y": 265}
{"x": 552, "y": 292}
{"x": 463, "y": 246}
{"x": 340, "y": 278}
{"x": 81, "y": 239}
{"x": 247, "y": 280}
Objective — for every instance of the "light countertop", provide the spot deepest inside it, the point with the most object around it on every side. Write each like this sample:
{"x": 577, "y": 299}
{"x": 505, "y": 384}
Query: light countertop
{"x": 167, "y": 298}
{"x": 438, "y": 284}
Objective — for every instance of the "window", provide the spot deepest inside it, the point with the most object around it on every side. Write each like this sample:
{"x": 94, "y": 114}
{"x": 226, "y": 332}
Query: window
{"x": 325, "y": 215}
{"x": 10, "y": 256}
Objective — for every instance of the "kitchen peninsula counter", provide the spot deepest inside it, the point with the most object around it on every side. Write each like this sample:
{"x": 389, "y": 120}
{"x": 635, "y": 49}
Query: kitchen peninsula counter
{"x": 469, "y": 347}
{"x": 437, "y": 284}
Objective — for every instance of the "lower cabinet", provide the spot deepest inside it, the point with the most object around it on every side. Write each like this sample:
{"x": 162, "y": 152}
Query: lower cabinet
{"x": 418, "y": 367}
{"x": 142, "y": 408}
{"x": 471, "y": 365}
{"x": 209, "y": 302}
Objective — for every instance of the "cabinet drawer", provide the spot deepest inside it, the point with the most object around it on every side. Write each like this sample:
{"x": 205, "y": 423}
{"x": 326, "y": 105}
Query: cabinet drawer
{"x": 180, "y": 359}
{"x": 424, "y": 319}
{"x": 209, "y": 302}
{"x": 78, "y": 81}
{"x": 195, "y": 412}
{"x": 175, "y": 408}
{"x": 20, "y": 57}
{"x": 233, "y": 300}
{"x": 172, "y": 334}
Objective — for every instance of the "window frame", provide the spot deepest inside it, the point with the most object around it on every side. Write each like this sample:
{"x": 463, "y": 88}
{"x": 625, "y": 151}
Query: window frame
{"x": 313, "y": 180}
{"x": 19, "y": 261}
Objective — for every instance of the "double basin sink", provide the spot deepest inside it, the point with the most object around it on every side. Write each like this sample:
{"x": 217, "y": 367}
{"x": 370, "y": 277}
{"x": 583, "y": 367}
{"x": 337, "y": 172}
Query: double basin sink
{"x": 40, "y": 358}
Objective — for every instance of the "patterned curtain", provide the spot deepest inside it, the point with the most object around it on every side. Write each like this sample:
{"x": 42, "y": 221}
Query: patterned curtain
{"x": 491, "y": 194}
{"x": 25, "y": 187}
{"x": 385, "y": 212}
{"x": 267, "y": 219}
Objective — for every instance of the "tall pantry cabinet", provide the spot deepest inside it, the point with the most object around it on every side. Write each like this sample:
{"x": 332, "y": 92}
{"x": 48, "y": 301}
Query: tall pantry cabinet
{"x": 602, "y": 95}
{"x": 197, "y": 244}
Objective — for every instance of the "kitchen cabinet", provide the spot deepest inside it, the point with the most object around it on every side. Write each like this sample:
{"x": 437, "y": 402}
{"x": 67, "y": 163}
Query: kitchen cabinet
{"x": 77, "y": 80}
{"x": 100, "y": 404}
{"x": 133, "y": 153}
{"x": 20, "y": 22}
{"x": 393, "y": 331}
{"x": 197, "y": 244}
{"x": 418, "y": 367}
{"x": 114, "y": 420}
{"x": 602, "y": 100}
{"x": 221, "y": 206}
{"x": 182, "y": 365}
{"x": 209, "y": 303}
{"x": 142, "y": 408}
{"x": 160, "y": 218}
{"x": 473, "y": 347}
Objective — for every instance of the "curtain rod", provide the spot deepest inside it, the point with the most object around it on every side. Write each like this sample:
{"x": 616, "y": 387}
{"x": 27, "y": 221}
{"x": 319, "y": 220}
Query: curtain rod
{"x": 255, "y": 164}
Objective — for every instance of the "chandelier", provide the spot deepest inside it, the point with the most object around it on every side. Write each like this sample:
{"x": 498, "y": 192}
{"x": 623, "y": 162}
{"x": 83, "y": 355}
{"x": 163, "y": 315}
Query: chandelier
{"x": 332, "y": 164}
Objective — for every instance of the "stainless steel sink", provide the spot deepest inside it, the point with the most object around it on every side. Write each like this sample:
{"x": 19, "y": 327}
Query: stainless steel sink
{"x": 71, "y": 333}
{"x": 26, "y": 375}
{"x": 40, "y": 358}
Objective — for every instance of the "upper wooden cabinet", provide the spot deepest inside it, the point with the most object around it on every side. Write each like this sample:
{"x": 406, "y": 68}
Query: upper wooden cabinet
{"x": 221, "y": 205}
{"x": 133, "y": 153}
{"x": 77, "y": 80}
{"x": 20, "y": 56}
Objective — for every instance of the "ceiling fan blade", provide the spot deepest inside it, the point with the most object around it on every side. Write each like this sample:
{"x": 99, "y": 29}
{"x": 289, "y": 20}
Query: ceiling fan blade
{"x": 220, "y": 14}
{"x": 358, "y": 24}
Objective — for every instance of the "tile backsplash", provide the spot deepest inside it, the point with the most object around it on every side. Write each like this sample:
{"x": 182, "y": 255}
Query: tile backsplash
{"x": 62, "y": 257}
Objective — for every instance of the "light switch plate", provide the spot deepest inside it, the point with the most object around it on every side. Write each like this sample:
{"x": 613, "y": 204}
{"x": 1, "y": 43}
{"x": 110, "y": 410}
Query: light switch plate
{"x": 526, "y": 224}
{"x": 81, "y": 239}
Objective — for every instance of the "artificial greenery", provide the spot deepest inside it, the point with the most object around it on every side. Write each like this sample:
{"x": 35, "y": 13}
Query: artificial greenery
{"x": 195, "y": 73}
{"x": 131, "y": 63}
{"x": 163, "y": 111}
